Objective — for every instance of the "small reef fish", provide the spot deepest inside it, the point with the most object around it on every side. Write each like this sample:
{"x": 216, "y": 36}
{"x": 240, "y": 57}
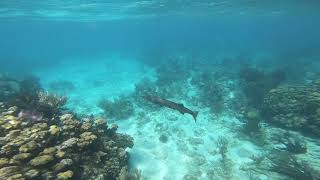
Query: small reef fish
{"x": 172, "y": 105}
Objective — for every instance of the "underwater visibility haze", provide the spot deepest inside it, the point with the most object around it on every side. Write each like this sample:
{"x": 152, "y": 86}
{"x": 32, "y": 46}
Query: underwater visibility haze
{"x": 160, "y": 89}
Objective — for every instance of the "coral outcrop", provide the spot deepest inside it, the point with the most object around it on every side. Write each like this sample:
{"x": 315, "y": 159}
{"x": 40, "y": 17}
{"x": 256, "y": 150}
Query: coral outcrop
{"x": 60, "y": 147}
{"x": 294, "y": 107}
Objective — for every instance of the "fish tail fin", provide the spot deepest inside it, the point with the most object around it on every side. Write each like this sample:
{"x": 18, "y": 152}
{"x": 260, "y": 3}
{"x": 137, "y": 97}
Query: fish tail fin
{"x": 195, "y": 114}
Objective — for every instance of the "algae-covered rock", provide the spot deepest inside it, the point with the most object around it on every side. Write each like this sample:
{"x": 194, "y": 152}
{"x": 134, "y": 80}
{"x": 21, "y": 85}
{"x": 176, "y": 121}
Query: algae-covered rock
{"x": 101, "y": 125}
{"x": 68, "y": 143}
{"x": 114, "y": 127}
{"x": 49, "y": 151}
{"x": 69, "y": 123}
{"x": 30, "y": 146}
{"x": 22, "y": 156}
{"x": 9, "y": 122}
{"x": 163, "y": 138}
{"x": 65, "y": 175}
{"x": 13, "y": 134}
{"x": 123, "y": 140}
{"x": 4, "y": 162}
{"x": 86, "y": 126}
{"x": 253, "y": 114}
{"x": 16, "y": 177}
{"x": 41, "y": 160}
{"x": 100, "y": 122}
{"x": 66, "y": 117}
{"x": 32, "y": 173}
{"x": 64, "y": 163}
{"x": 60, "y": 154}
{"x": 54, "y": 130}
{"x": 11, "y": 110}
{"x": 8, "y": 171}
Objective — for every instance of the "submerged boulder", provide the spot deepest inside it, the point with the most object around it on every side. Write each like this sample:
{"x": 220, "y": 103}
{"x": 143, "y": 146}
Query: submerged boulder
{"x": 41, "y": 160}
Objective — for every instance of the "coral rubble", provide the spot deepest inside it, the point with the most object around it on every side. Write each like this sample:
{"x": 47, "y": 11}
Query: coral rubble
{"x": 60, "y": 147}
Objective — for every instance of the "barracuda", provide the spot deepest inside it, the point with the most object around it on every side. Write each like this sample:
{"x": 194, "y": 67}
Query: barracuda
{"x": 172, "y": 105}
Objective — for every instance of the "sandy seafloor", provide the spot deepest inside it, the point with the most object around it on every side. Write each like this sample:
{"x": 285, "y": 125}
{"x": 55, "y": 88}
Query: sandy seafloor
{"x": 191, "y": 148}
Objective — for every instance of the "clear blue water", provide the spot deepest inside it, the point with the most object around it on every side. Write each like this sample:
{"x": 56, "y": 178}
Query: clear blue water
{"x": 51, "y": 30}
{"x": 106, "y": 48}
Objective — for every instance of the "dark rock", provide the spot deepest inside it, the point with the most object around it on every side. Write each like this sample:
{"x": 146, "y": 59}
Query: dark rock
{"x": 163, "y": 138}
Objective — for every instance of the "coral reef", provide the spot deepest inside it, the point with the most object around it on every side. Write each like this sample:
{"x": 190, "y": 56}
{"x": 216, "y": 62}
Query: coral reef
{"x": 120, "y": 108}
{"x": 211, "y": 91}
{"x": 294, "y": 107}
{"x": 60, "y": 147}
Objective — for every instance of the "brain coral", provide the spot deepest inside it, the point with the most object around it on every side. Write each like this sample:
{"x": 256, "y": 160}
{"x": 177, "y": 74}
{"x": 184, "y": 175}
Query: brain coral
{"x": 294, "y": 107}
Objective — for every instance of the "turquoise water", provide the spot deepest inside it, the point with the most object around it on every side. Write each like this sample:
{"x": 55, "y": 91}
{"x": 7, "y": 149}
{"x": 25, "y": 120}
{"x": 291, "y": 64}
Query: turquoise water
{"x": 198, "y": 53}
